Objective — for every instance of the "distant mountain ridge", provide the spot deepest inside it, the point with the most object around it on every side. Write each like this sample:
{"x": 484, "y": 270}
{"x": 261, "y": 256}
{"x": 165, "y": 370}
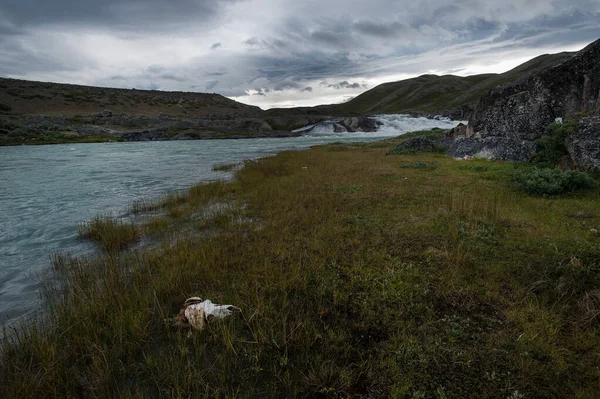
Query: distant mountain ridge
{"x": 423, "y": 94}
{"x": 52, "y": 99}
{"x": 433, "y": 93}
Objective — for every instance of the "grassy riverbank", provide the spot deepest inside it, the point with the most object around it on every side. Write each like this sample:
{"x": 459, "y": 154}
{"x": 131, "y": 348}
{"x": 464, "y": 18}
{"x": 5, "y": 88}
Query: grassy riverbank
{"x": 358, "y": 274}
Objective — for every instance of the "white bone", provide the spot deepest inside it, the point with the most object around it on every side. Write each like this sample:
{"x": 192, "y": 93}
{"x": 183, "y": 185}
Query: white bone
{"x": 198, "y": 312}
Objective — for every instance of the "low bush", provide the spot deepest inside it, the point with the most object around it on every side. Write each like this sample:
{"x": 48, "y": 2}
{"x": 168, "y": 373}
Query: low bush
{"x": 551, "y": 146}
{"x": 542, "y": 182}
{"x": 418, "y": 145}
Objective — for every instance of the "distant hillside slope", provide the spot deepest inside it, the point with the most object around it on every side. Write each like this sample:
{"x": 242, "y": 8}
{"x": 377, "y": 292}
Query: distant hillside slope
{"x": 430, "y": 93}
{"x": 39, "y": 98}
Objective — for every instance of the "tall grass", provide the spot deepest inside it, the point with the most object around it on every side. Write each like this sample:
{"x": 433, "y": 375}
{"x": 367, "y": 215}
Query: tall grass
{"x": 226, "y": 167}
{"x": 109, "y": 233}
{"x": 356, "y": 278}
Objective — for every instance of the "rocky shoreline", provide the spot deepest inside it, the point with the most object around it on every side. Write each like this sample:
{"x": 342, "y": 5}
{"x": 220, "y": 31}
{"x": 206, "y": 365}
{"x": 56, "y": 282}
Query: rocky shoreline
{"x": 122, "y": 127}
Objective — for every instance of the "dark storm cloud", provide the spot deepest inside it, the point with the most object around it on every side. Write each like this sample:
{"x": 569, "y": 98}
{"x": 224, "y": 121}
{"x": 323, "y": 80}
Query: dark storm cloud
{"x": 305, "y": 66}
{"x": 171, "y": 44}
{"x": 170, "y": 76}
{"x": 338, "y": 40}
{"x": 381, "y": 29}
{"x": 211, "y": 84}
{"x": 286, "y": 85}
{"x": 17, "y": 57}
{"x": 155, "y": 69}
{"x": 345, "y": 85}
{"x": 217, "y": 73}
{"x": 135, "y": 15}
{"x": 253, "y": 41}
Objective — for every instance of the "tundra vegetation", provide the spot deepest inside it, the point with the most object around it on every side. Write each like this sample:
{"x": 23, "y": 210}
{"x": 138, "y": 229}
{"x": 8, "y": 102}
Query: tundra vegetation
{"x": 358, "y": 275}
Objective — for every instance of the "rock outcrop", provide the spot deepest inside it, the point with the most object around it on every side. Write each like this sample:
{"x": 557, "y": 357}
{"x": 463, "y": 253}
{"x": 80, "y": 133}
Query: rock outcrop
{"x": 343, "y": 125}
{"x": 584, "y": 146}
{"x": 518, "y": 113}
{"x": 493, "y": 147}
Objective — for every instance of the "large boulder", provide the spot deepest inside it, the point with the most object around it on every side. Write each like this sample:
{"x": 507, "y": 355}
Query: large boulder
{"x": 360, "y": 124}
{"x": 584, "y": 146}
{"x": 493, "y": 148}
{"x": 521, "y": 110}
{"x": 366, "y": 124}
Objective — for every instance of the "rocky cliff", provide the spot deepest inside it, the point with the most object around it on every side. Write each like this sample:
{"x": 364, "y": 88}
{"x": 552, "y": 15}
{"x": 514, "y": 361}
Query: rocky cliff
{"x": 584, "y": 146}
{"x": 519, "y": 112}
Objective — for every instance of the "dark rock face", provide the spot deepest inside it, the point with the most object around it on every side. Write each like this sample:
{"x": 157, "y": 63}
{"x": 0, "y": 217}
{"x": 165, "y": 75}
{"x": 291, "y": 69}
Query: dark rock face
{"x": 516, "y": 114}
{"x": 360, "y": 124}
{"x": 494, "y": 148}
{"x": 584, "y": 146}
{"x": 86, "y": 130}
{"x": 521, "y": 110}
{"x": 458, "y": 131}
{"x": 351, "y": 124}
{"x": 146, "y": 135}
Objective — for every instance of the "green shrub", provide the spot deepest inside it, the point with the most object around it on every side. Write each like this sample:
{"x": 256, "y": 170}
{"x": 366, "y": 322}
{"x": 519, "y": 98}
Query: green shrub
{"x": 551, "y": 147}
{"x": 418, "y": 145}
{"x": 5, "y": 108}
{"x": 542, "y": 182}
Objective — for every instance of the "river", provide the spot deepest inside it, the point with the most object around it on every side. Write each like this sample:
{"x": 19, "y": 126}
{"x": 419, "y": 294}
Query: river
{"x": 46, "y": 191}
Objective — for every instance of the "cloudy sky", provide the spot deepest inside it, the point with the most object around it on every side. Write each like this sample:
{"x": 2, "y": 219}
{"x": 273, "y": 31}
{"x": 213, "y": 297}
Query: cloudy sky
{"x": 281, "y": 52}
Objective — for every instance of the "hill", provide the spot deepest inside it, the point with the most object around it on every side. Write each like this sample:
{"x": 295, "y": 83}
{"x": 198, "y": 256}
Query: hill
{"x": 53, "y": 99}
{"x": 433, "y": 93}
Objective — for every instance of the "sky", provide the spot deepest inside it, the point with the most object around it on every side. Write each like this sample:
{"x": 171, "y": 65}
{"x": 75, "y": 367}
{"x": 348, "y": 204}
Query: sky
{"x": 281, "y": 53}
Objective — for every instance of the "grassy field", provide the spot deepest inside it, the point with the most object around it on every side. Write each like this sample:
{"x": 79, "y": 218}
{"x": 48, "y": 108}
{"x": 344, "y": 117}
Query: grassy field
{"x": 359, "y": 274}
